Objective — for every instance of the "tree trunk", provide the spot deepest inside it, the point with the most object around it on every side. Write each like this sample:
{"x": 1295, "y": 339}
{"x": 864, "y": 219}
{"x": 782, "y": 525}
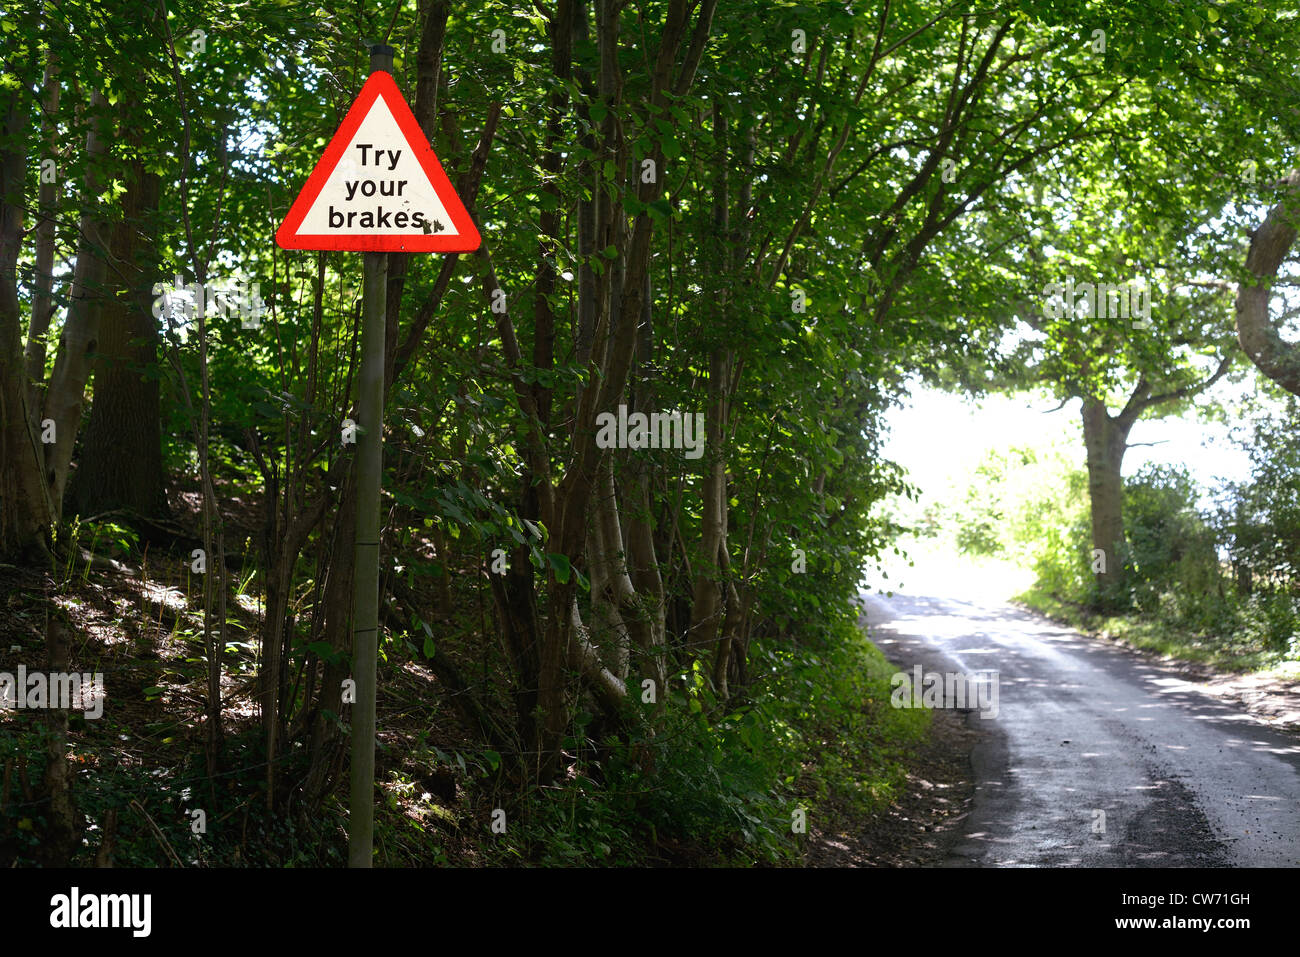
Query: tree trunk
{"x": 326, "y": 748}
{"x": 80, "y": 338}
{"x": 707, "y": 593}
{"x": 1269, "y": 246}
{"x": 706, "y": 600}
{"x": 642, "y": 559}
{"x": 121, "y": 454}
{"x": 24, "y": 506}
{"x": 63, "y": 823}
{"x": 42, "y": 291}
{"x": 1106, "y": 439}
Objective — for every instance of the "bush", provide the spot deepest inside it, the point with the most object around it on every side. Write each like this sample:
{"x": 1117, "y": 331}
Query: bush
{"x": 1172, "y": 558}
{"x": 1258, "y": 527}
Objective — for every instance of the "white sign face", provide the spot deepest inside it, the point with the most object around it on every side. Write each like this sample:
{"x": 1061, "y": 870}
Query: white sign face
{"x": 379, "y": 186}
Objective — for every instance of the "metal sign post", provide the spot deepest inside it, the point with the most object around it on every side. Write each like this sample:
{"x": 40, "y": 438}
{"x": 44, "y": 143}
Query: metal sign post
{"x": 365, "y": 602}
{"x": 378, "y": 188}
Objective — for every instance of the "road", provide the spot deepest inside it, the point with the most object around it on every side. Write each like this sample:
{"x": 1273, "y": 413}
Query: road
{"x": 1084, "y": 727}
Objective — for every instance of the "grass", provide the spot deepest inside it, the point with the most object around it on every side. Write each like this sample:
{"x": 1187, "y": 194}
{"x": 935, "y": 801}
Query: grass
{"x": 1240, "y": 652}
{"x": 727, "y": 787}
{"x": 1233, "y": 639}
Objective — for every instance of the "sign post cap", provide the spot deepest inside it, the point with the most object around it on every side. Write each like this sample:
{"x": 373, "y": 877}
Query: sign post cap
{"x": 381, "y": 57}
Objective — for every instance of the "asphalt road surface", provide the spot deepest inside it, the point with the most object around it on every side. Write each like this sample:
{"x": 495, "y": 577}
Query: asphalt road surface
{"x": 1084, "y": 727}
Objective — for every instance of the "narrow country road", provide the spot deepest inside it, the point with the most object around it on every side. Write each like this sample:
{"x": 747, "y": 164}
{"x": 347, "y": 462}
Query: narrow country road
{"x": 1083, "y": 727}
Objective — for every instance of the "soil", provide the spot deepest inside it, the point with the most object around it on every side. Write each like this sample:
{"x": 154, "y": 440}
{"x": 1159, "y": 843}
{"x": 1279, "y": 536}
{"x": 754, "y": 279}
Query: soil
{"x": 919, "y": 828}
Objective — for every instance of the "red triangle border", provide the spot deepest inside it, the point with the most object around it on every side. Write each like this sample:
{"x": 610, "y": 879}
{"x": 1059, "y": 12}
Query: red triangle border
{"x": 466, "y": 239}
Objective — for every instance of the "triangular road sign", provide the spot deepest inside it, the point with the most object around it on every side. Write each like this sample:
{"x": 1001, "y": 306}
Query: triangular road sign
{"x": 379, "y": 187}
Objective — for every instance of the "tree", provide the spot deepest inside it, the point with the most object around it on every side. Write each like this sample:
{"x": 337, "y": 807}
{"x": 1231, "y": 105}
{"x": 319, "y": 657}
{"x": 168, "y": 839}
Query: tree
{"x": 25, "y": 508}
{"x": 1257, "y": 330}
{"x": 1099, "y": 268}
{"x": 121, "y": 454}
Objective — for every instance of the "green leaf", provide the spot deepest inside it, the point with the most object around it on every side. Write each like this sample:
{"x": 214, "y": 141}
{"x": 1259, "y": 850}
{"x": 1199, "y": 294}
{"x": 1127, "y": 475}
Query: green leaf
{"x": 560, "y": 564}
{"x": 661, "y": 209}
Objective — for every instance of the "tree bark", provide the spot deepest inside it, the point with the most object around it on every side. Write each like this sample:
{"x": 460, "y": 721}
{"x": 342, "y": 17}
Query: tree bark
{"x": 42, "y": 292}
{"x": 25, "y": 512}
{"x": 63, "y": 830}
{"x": 642, "y": 560}
{"x": 706, "y": 602}
{"x": 706, "y": 614}
{"x": 326, "y": 748}
{"x": 1106, "y": 439}
{"x": 79, "y": 340}
{"x": 120, "y": 466}
{"x": 1269, "y": 246}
